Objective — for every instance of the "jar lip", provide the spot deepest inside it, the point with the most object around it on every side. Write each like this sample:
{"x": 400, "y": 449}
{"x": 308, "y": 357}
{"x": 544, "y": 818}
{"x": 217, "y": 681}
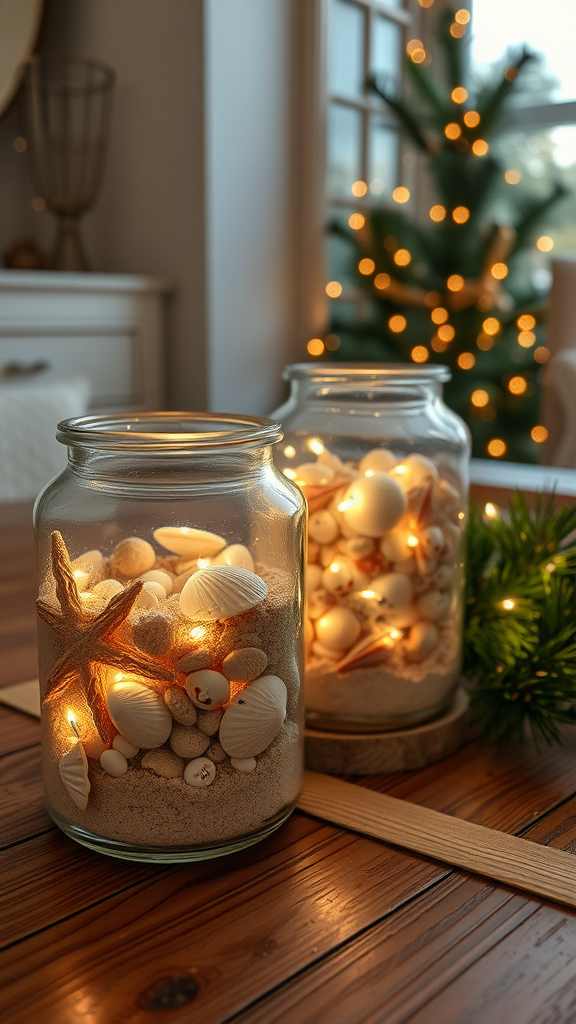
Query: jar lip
{"x": 169, "y": 431}
{"x": 393, "y": 373}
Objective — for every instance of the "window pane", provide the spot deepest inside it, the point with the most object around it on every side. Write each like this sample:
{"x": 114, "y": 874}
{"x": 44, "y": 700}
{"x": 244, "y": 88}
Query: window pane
{"x": 346, "y": 49}
{"x": 344, "y": 150}
{"x": 386, "y": 48}
{"x": 383, "y": 162}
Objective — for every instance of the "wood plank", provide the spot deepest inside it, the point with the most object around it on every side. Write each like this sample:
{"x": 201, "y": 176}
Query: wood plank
{"x": 17, "y": 730}
{"x": 22, "y": 811}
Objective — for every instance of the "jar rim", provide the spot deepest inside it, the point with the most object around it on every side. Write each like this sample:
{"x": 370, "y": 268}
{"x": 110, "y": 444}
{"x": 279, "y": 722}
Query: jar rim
{"x": 169, "y": 431}
{"x": 396, "y": 373}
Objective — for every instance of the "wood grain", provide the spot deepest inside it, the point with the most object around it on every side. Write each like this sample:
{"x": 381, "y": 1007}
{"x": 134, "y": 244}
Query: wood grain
{"x": 17, "y": 731}
{"x": 22, "y": 811}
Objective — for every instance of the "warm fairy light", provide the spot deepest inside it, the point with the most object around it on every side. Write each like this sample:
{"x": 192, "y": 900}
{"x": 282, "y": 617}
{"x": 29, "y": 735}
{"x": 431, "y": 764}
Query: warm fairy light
{"x": 457, "y": 31}
{"x": 382, "y": 281}
{"x": 333, "y": 289}
{"x": 315, "y": 445}
{"x": 452, "y": 131}
{"x": 491, "y": 325}
{"x": 344, "y": 505}
{"x": 119, "y": 676}
{"x": 455, "y": 283}
{"x": 198, "y": 632}
{"x": 359, "y": 188}
{"x": 419, "y": 354}
{"x": 332, "y": 342}
{"x": 484, "y": 342}
{"x": 517, "y": 385}
{"x": 462, "y": 16}
{"x": 315, "y": 347}
{"x": 335, "y": 567}
{"x": 459, "y": 94}
{"x": 508, "y": 604}
{"x": 437, "y": 213}
{"x": 541, "y": 354}
{"x": 203, "y": 563}
{"x": 402, "y": 257}
{"x": 414, "y": 44}
{"x": 369, "y": 594}
{"x": 471, "y": 118}
{"x": 369, "y": 472}
{"x": 438, "y": 345}
{"x": 480, "y": 147}
{"x": 461, "y": 214}
{"x": 539, "y": 434}
{"x": 38, "y": 204}
{"x": 390, "y": 243}
{"x": 496, "y": 447}
{"x": 466, "y": 360}
{"x": 526, "y": 322}
{"x": 70, "y": 715}
{"x": 418, "y": 56}
{"x": 426, "y": 3}
{"x": 511, "y": 73}
{"x": 290, "y": 451}
{"x": 446, "y": 332}
{"x": 356, "y": 221}
{"x": 412, "y": 541}
{"x": 439, "y": 315}
{"x": 512, "y": 176}
{"x": 545, "y": 243}
{"x": 400, "y": 470}
{"x": 499, "y": 271}
{"x": 397, "y": 323}
{"x": 491, "y": 510}
{"x": 479, "y": 398}
{"x": 526, "y": 339}
{"x": 401, "y": 194}
{"x": 395, "y": 634}
{"x": 366, "y": 267}
{"x": 289, "y": 473}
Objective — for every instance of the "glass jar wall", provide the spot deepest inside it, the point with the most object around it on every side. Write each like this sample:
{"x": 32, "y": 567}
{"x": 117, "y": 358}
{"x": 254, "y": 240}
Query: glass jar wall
{"x": 169, "y": 558}
{"x": 384, "y": 467}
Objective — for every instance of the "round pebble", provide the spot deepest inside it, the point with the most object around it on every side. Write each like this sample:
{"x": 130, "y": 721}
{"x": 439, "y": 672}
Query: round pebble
{"x": 422, "y": 640}
{"x": 313, "y": 577}
{"x": 146, "y": 600}
{"x": 379, "y": 460}
{"x": 322, "y": 527}
{"x": 188, "y": 741}
{"x": 209, "y": 721}
{"x": 243, "y": 764}
{"x": 132, "y": 557}
{"x": 124, "y": 746}
{"x": 163, "y": 763}
{"x": 157, "y": 589}
{"x": 216, "y": 753}
{"x": 194, "y": 661}
{"x": 153, "y": 633}
{"x": 338, "y": 630}
{"x": 107, "y": 589}
{"x": 180, "y": 706}
{"x": 200, "y": 772}
{"x": 158, "y": 576}
{"x": 434, "y": 605}
{"x": 114, "y": 763}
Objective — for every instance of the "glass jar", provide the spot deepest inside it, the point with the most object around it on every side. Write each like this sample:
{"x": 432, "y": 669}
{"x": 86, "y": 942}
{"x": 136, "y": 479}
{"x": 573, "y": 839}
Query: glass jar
{"x": 169, "y": 557}
{"x": 384, "y": 466}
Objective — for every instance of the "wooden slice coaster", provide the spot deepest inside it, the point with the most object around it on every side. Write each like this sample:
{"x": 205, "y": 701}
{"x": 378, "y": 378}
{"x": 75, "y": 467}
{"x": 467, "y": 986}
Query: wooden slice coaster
{"x": 385, "y": 752}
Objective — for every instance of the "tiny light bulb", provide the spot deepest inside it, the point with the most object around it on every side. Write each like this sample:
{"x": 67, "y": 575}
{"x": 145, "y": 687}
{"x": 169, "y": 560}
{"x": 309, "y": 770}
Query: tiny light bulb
{"x": 203, "y": 563}
{"x": 72, "y": 722}
{"x": 315, "y": 445}
{"x": 345, "y": 504}
{"x": 508, "y": 604}
{"x": 368, "y": 594}
{"x": 290, "y": 451}
{"x": 401, "y": 469}
{"x": 118, "y": 677}
{"x": 490, "y": 510}
{"x": 335, "y": 567}
{"x": 369, "y": 472}
{"x": 289, "y": 473}
{"x": 198, "y": 632}
{"x": 412, "y": 541}
{"x": 395, "y": 634}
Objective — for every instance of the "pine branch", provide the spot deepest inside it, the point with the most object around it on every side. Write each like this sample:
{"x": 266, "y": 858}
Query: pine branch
{"x": 492, "y": 102}
{"x": 404, "y": 115}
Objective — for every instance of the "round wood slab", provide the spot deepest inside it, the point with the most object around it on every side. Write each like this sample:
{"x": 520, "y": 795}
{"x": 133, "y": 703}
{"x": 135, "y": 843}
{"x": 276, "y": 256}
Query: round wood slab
{"x": 384, "y": 752}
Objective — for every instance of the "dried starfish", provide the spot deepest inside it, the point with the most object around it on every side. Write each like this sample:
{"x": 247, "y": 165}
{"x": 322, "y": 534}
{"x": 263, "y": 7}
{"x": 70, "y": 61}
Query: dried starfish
{"x": 87, "y": 642}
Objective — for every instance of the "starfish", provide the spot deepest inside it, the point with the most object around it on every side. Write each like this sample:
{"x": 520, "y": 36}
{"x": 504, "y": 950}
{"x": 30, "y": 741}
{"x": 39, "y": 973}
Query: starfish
{"x": 87, "y": 642}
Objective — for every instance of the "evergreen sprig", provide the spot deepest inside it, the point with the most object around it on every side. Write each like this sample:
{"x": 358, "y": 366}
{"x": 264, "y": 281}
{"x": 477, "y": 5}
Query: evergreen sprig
{"x": 520, "y": 634}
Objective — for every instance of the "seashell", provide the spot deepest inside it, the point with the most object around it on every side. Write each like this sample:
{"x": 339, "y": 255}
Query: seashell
{"x": 182, "y": 578}
{"x": 431, "y": 541}
{"x": 235, "y": 554}
{"x": 327, "y": 555}
{"x": 73, "y": 770}
{"x": 188, "y": 741}
{"x": 254, "y": 717}
{"x": 107, "y": 589}
{"x": 220, "y": 592}
{"x": 394, "y": 590}
{"x": 317, "y": 604}
{"x": 189, "y": 542}
{"x": 308, "y": 633}
{"x": 180, "y": 706}
{"x": 194, "y": 661}
{"x": 157, "y": 589}
{"x": 200, "y": 772}
{"x": 447, "y": 499}
{"x": 426, "y": 566}
{"x": 322, "y": 527}
{"x": 313, "y": 474}
{"x": 139, "y": 714}
{"x": 398, "y": 545}
{"x": 434, "y": 605}
{"x": 164, "y": 763}
{"x": 312, "y": 577}
{"x": 114, "y": 763}
{"x": 452, "y": 536}
{"x": 209, "y": 721}
{"x": 158, "y": 576}
{"x": 422, "y": 639}
{"x": 444, "y": 576}
{"x": 146, "y": 600}
{"x": 324, "y": 652}
{"x": 216, "y": 753}
{"x": 379, "y": 460}
{"x": 88, "y": 569}
{"x": 208, "y": 689}
{"x": 356, "y": 547}
{"x": 414, "y": 471}
{"x": 319, "y": 497}
{"x": 372, "y": 505}
{"x": 245, "y": 664}
{"x": 124, "y": 746}
{"x": 132, "y": 556}
{"x": 407, "y": 568}
{"x": 152, "y": 633}
{"x": 312, "y": 551}
{"x": 243, "y": 764}
{"x": 421, "y": 584}
{"x": 94, "y": 746}
{"x": 337, "y": 578}
{"x": 401, "y": 618}
{"x": 371, "y": 650}
{"x": 338, "y": 629}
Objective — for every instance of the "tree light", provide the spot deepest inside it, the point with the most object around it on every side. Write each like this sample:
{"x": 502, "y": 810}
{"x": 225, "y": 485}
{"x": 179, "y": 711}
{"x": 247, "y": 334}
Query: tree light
{"x": 382, "y": 281}
{"x": 461, "y": 214}
{"x": 471, "y": 118}
{"x": 356, "y": 221}
{"x": 290, "y": 473}
{"x": 512, "y": 176}
{"x": 401, "y": 194}
{"x": 517, "y": 385}
{"x": 462, "y": 17}
{"x": 333, "y": 289}
{"x": 459, "y": 94}
{"x": 419, "y": 354}
{"x": 526, "y": 339}
{"x": 491, "y": 510}
{"x": 418, "y": 56}
{"x": 499, "y": 271}
{"x": 199, "y": 631}
{"x": 508, "y": 604}
{"x": 455, "y": 283}
{"x": 491, "y": 325}
{"x": 496, "y": 447}
{"x": 541, "y": 354}
{"x": 452, "y": 131}
{"x": 359, "y": 188}
{"x": 466, "y": 360}
{"x": 437, "y": 213}
{"x": 457, "y": 31}
{"x": 539, "y": 434}
{"x": 480, "y": 147}
{"x": 314, "y": 444}
{"x": 397, "y": 323}
{"x": 439, "y": 315}
{"x": 315, "y": 347}
{"x": 545, "y": 243}
{"x": 446, "y": 332}
{"x": 414, "y": 44}
{"x": 526, "y": 322}
{"x": 402, "y": 257}
{"x": 479, "y": 398}
{"x": 366, "y": 267}
{"x": 412, "y": 541}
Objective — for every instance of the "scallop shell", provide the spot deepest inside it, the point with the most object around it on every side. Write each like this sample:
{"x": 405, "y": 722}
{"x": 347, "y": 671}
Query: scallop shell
{"x": 235, "y": 554}
{"x": 254, "y": 717}
{"x": 188, "y": 541}
{"x": 208, "y": 689}
{"x": 221, "y": 591}
{"x": 245, "y": 664}
{"x": 74, "y": 774}
{"x": 139, "y": 714}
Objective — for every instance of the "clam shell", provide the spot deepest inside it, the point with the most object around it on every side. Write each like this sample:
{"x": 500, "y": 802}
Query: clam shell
{"x": 188, "y": 541}
{"x": 139, "y": 714}
{"x": 200, "y": 772}
{"x": 243, "y": 764}
{"x": 254, "y": 717}
{"x": 74, "y": 774}
{"x": 245, "y": 664}
{"x": 235, "y": 554}
{"x": 208, "y": 689}
{"x": 221, "y": 591}
{"x": 164, "y": 763}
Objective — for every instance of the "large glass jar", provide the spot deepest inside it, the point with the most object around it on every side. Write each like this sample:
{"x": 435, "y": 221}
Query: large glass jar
{"x": 384, "y": 466}
{"x": 169, "y": 556}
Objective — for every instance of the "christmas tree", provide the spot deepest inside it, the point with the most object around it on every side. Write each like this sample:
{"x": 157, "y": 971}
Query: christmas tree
{"x": 455, "y": 290}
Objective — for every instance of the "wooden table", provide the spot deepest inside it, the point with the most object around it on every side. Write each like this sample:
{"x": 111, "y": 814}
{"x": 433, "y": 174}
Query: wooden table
{"x": 315, "y": 924}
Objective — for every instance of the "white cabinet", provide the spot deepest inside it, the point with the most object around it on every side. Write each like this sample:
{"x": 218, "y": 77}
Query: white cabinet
{"x": 108, "y": 328}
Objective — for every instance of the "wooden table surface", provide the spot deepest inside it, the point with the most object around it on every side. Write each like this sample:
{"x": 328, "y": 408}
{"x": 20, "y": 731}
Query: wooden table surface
{"x": 316, "y": 924}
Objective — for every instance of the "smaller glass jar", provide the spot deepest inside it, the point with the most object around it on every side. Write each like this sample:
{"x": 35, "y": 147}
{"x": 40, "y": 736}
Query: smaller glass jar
{"x": 384, "y": 467}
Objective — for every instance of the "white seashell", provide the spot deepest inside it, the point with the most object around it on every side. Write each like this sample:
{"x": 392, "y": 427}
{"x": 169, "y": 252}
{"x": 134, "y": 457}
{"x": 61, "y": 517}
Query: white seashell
{"x": 132, "y": 556}
{"x": 157, "y": 589}
{"x": 327, "y": 555}
{"x": 189, "y": 542}
{"x": 200, "y": 772}
{"x": 394, "y": 590}
{"x": 187, "y": 741}
{"x": 124, "y": 746}
{"x": 357, "y": 547}
{"x": 396, "y": 547}
{"x": 434, "y": 605}
{"x": 313, "y": 474}
{"x": 308, "y": 633}
{"x": 164, "y": 763}
{"x": 422, "y": 639}
{"x": 243, "y": 764}
{"x": 313, "y": 577}
{"x": 444, "y": 576}
{"x": 88, "y": 569}
{"x": 245, "y": 664}
{"x": 322, "y": 527}
{"x": 324, "y": 652}
{"x": 401, "y": 618}
{"x": 414, "y": 471}
{"x": 235, "y": 554}
{"x": 220, "y": 592}
{"x": 107, "y": 589}
{"x": 379, "y": 460}
{"x": 431, "y": 541}
{"x": 338, "y": 629}
{"x": 139, "y": 714}
{"x": 372, "y": 505}
{"x": 73, "y": 769}
{"x": 146, "y": 600}
{"x": 337, "y": 578}
{"x": 254, "y": 717}
{"x": 346, "y": 530}
{"x": 114, "y": 763}
{"x": 447, "y": 499}
{"x": 312, "y": 552}
{"x": 208, "y": 689}
{"x": 317, "y": 604}
{"x": 158, "y": 576}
